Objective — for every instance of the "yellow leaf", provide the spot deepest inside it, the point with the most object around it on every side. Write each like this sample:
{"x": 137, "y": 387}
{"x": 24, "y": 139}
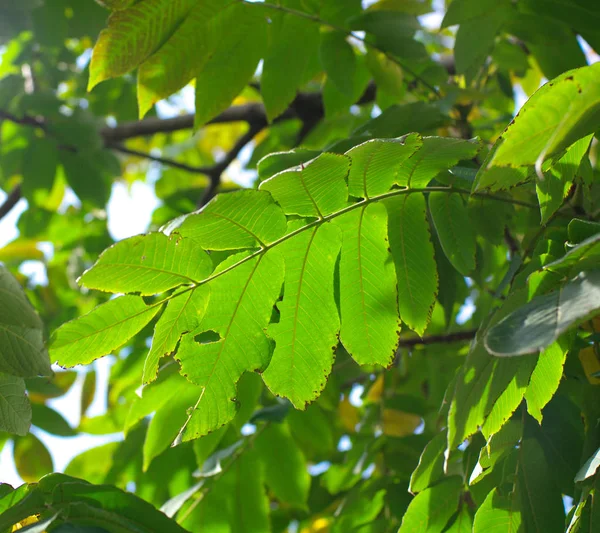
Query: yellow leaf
{"x": 348, "y": 415}
{"x": 590, "y": 363}
{"x": 398, "y": 423}
{"x": 25, "y": 522}
{"x": 21, "y": 251}
{"x": 376, "y": 391}
{"x": 320, "y": 525}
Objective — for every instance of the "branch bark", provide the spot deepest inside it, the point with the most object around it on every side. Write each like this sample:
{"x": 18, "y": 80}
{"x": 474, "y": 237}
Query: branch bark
{"x": 11, "y": 200}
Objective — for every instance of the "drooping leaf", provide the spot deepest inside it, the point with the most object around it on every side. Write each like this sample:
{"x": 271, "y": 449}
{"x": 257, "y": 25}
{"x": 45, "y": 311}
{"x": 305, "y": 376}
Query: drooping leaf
{"x": 376, "y": 164}
{"x": 50, "y": 421}
{"x": 499, "y": 513}
{"x": 431, "y": 464}
{"x": 244, "y": 219}
{"x": 101, "y": 331}
{"x": 539, "y": 323}
{"x": 32, "y": 458}
{"x": 412, "y": 250}
{"x": 306, "y": 334}
{"x": 148, "y": 264}
{"x": 584, "y": 256}
{"x": 590, "y": 467}
{"x": 454, "y": 229}
{"x": 15, "y": 410}
{"x": 133, "y": 34}
{"x": 339, "y": 61}
{"x": 234, "y": 326}
{"x": 22, "y": 350}
{"x": 312, "y": 191}
{"x": 370, "y": 325}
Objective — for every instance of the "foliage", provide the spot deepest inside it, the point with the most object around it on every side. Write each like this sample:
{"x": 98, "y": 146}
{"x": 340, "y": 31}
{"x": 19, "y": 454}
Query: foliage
{"x": 395, "y": 328}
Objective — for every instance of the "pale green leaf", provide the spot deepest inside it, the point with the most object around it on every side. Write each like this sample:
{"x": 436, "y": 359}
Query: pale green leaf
{"x": 436, "y": 154}
{"x": 285, "y": 467}
{"x": 15, "y": 411}
{"x": 539, "y": 323}
{"x": 590, "y": 467}
{"x": 22, "y": 350}
{"x": 289, "y": 60}
{"x": 32, "y": 458}
{"x": 101, "y": 331}
{"x": 431, "y": 464}
{"x": 243, "y": 219}
{"x": 561, "y": 112}
{"x": 454, "y": 229}
{"x": 314, "y": 190}
{"x": 234, "y": 325}
{"x": 460, "y": 11}
{"x": 148, "y": 264}
{"x": 133, "y": 34}
{"x": 546, "y": 377}
{"x": 412, "y": 250}
{"x": 370, "y": 325}
{"x": 306, "y": 334}
{"x": 182, "y": 315}
{"x": 431, "y": 509}
{"x": 242, "y": 32}
{"x": 376, "y": 164}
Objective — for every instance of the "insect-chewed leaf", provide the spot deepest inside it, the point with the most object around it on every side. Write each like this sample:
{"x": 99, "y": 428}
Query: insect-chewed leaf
{"x": 22, "y": 350}
{"x": 413, "y": 253}
{"x": 239, "y": 311}
{"x": 101, "y": 331}
{"x": 306, "y": 334}
{"x": 539, "y": 323}
{"x": 453, "y": 227}
{"x": 15, "y": 410}
{"x": 133, "y": 34}
{"x": 376, "y": 164}
{"x": 370, "y": 325}
{"x": 148, "y": 264}
{"x": 436, "y": 154}
{"x": 182, "y": 315}
{"x": 243, "y": 219}
{"x": 312, "y": 191}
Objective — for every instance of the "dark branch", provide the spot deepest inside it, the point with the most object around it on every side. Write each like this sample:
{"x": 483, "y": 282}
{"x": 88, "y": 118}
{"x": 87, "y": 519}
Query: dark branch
{"x": 11, "y": 200}
{"x": 457, "y": 336}
{"x": 158, "y": 159}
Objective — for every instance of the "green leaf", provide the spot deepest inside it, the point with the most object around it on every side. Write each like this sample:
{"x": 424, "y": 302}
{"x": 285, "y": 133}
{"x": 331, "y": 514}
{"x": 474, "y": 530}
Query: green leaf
{"x": 376, "y": 164}
{"x": 315, "y": 190}
{"x": 101, "y": 331}
{"x": 413, "y": 253}
{"x": 539, "y": 323}
{"x": 84, "y": 176}
{"x": 499, "y": 513}
{"x": 579, "y": 230}
{"x": 148, "y": 264}
{"x": 454, "y": 229}
{"x": 186, "y": 52}
{"x": 431, "y": 509}
{"x": 431, "y": 464}
{"x": 133, "y": 34}
{"x": 22, "y": 350}
{"x": 285, "y": 467}
{"x": 370, "y": 325}
{"x": 546, "y": 377}
{"x": 585, "y": 255}
{"x": 50, "y": 421}
{"x": 560, "y": 113}
{"x": 39, "y": 167}
{"x": 589, "y": 468}
{"x": 242, "y": 32}
{"x": 306, "y": 334}
{"x": 31, "y": 457}
{"x": 582, "y": 15}
{"x": 244, "y": 219}
{"x": 289, "y": 60}
{"x": 436, "y": 154}
{"x": 182, "y": 315}
{"x": 15, "y": 410}
{"x": 557, "y": 182}
{"x": 460, "y": 11}
{"x": 240, "y": 309}
{"x": 339, "y": 61}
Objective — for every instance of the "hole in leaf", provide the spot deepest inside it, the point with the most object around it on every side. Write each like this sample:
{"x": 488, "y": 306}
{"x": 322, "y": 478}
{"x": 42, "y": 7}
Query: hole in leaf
{"x": 206, "y": 337}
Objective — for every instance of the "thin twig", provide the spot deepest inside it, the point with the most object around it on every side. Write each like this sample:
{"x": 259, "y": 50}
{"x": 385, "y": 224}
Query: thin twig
{"x": 443, "y": 338}
{"x": 11, "y": 200}
{"x": 158, "y": 159}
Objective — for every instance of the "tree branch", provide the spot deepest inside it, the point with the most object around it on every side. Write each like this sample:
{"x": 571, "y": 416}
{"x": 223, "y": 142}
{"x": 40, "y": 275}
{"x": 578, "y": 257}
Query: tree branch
{"x": 443, "y": 338}
{"x": 11, "y": 200}
{"x": 158, "y": 159}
